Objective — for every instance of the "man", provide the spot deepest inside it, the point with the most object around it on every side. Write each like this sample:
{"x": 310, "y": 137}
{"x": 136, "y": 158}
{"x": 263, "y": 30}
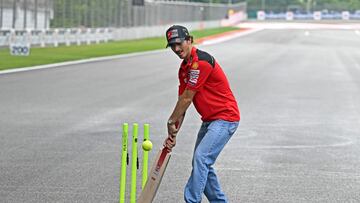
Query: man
{"x": 203, "y": 83}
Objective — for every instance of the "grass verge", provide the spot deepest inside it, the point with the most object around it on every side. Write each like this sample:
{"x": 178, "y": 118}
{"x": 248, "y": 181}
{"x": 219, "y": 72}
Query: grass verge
{"x": 42, "y": 56}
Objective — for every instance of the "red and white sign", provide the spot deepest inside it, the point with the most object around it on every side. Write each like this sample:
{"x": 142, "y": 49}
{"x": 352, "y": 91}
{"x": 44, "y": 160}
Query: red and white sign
{"x": 234, "y": 18}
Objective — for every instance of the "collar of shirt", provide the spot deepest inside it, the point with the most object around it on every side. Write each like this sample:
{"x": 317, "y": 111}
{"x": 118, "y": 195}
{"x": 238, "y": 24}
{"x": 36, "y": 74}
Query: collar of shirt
{"x": 193, "y": 57}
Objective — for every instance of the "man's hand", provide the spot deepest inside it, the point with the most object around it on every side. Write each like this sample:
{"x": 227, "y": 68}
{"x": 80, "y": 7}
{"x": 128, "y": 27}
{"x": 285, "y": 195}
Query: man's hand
{"x": 170, "y": 142}
{"x": 172, "y": 128}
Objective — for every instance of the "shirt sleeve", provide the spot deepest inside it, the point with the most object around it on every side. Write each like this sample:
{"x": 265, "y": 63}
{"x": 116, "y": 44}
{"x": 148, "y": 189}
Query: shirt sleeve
{"x": 198, "y": 74}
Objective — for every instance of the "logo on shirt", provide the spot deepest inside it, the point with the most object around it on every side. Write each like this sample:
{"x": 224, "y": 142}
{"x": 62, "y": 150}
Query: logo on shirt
{"x": 195, "y": 65}
{"x": 193, "y": 77}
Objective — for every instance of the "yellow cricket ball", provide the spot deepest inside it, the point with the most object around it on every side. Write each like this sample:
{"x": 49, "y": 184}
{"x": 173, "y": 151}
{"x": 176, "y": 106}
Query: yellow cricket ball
{"x": 147, "y": 145}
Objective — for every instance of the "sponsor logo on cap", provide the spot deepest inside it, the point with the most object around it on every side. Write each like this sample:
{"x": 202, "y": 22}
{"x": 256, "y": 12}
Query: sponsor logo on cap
{"x": 172, "y": 34}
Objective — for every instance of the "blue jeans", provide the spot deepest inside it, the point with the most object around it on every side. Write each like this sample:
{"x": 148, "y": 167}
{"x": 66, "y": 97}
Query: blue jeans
{"x": 211, "y": 139}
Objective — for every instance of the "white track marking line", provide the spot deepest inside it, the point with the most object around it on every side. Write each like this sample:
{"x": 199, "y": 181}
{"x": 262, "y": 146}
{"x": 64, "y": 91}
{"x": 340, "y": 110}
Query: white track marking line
{"x": 80, "y": 61}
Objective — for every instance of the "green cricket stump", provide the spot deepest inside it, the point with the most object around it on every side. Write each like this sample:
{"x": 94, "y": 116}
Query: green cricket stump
{"x": 134, "y": 161}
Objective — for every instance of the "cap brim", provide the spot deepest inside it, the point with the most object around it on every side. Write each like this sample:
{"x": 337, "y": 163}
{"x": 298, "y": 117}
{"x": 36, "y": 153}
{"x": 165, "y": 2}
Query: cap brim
{"x": 174, "y": 40}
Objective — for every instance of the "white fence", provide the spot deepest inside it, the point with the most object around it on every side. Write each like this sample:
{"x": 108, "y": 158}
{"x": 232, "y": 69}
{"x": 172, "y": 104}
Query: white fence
{"x": 56, "y": 37}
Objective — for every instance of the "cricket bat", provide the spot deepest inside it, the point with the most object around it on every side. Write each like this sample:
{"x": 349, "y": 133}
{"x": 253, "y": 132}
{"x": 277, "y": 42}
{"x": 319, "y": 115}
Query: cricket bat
{"x": 157, "y": 172}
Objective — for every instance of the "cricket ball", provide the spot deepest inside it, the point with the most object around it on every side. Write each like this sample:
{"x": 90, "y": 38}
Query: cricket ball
{"x": 147, "y": 145}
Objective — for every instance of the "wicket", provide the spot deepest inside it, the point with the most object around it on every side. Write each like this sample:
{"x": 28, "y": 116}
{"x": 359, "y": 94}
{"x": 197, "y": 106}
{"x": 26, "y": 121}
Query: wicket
{"x": 134, "y": 160}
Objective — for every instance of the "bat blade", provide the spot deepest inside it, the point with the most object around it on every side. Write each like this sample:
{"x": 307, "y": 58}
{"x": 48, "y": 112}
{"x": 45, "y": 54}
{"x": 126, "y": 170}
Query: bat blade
{"x": 157, "y": 172}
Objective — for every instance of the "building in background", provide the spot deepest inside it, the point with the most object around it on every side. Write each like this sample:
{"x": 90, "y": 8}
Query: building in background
{"x": 25, "y": 14}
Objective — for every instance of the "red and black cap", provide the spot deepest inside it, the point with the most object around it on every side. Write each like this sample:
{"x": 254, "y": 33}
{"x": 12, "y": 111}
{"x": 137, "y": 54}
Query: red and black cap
{"x": 176, "y": 34}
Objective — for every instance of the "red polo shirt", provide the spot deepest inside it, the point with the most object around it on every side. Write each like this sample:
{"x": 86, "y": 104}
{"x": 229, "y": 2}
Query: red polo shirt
{"x": 213, "y": 99}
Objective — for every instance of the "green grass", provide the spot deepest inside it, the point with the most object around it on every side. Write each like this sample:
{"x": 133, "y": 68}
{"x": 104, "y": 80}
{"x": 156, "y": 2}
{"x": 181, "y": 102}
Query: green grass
{"x": 41, "y": 56}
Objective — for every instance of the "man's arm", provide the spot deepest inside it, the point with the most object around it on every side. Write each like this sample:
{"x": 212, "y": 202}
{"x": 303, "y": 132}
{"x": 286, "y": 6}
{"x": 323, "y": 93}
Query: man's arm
{"x": 177, "y": 117}
{"x": 182, "y": 105}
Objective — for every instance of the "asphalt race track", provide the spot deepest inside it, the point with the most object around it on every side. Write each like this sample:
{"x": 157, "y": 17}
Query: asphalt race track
{"x": 298, "y": 140}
